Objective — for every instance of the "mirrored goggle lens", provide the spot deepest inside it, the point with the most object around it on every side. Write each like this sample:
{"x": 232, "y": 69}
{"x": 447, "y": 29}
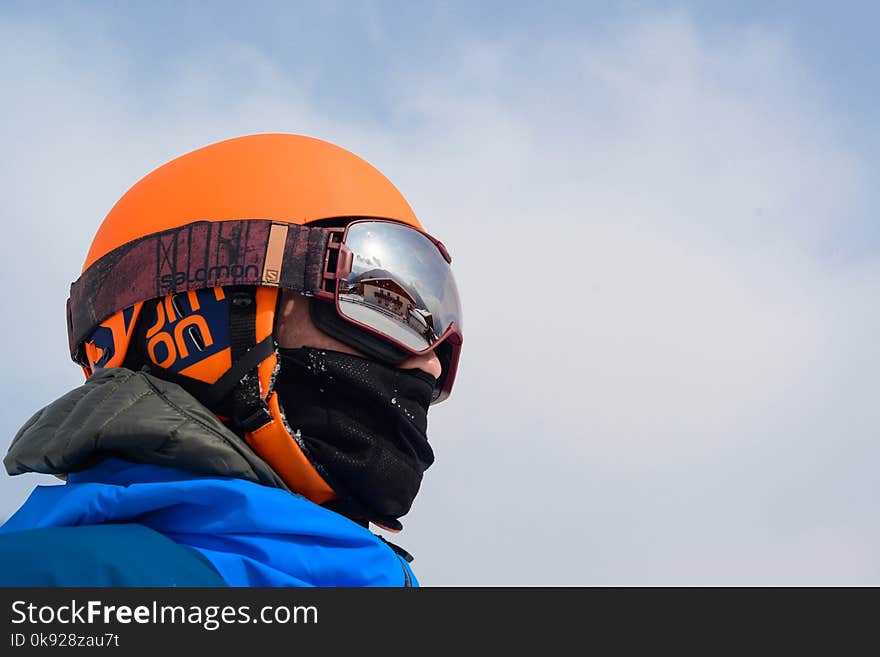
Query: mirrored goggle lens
{"x": 400, "y": 284}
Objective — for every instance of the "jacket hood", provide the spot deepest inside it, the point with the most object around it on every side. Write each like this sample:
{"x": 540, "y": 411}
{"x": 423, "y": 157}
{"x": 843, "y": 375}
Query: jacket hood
{"x": 135, "y": 417}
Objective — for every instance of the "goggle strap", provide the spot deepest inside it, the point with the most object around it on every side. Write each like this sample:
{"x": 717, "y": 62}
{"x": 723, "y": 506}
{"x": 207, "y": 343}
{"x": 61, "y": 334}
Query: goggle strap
{"x": 200, "y": 255}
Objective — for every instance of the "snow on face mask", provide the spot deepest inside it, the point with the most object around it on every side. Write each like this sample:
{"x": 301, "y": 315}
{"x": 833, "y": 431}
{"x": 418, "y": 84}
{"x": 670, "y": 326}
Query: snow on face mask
{"x": 363, "y": 426}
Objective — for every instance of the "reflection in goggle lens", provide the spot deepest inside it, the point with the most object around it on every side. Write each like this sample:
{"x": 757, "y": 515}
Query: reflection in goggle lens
{"x": 400, "y": 284}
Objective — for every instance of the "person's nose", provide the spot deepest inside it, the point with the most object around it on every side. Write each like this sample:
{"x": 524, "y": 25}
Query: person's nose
{"x": 426, "y": 362}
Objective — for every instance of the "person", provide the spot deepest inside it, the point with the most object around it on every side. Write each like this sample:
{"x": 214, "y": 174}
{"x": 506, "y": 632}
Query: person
{"x": 263, "y": 324}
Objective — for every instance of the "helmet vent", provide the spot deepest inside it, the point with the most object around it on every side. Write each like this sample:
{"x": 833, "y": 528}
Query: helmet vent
{"x": 196, "y": 338}
{"x": 176, "y": 305}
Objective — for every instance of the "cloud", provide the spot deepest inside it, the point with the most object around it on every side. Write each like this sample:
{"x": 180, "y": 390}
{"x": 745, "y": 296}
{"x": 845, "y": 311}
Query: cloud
{"x": 666, "y": 374}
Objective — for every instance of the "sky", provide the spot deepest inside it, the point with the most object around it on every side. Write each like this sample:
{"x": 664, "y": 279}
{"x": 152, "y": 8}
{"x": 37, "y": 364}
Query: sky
{"x": 661, "y": 218}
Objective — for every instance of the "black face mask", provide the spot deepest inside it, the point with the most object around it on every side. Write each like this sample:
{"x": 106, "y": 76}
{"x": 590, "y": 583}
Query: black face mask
{"x": 363, "y": 425}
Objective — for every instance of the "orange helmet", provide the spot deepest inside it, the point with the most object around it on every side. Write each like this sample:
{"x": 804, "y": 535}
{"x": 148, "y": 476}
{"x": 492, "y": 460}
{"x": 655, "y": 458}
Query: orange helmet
{"x": 214, "y": 233}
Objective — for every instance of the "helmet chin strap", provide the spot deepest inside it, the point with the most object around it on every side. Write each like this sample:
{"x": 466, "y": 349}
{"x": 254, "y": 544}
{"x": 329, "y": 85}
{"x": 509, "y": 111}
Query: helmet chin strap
{"x": 274, "y": 441}
{"x": 249, "y": 410}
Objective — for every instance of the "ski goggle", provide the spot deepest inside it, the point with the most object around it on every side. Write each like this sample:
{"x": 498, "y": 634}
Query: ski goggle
{"x": 390, "y": 286}
{"x": 393, "y": 283}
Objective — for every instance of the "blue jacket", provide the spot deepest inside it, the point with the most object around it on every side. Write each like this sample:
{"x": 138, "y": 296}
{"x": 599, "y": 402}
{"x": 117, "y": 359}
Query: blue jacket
{"x": 144, "y": 525}
{"x": 121, "y": 523}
